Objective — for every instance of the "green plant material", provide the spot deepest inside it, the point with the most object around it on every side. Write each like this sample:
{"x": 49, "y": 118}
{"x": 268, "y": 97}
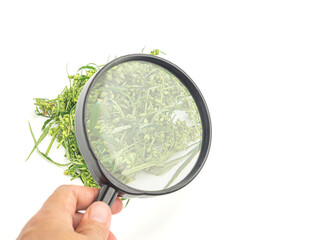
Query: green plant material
{"x": 172, "y": 135}
{"x": 60, "y": 125}
{"x": 59, "y": 113}
{"x": 138, "y": 117}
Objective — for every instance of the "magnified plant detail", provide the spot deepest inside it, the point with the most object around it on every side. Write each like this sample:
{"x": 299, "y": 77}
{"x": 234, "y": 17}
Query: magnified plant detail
{"x": 141, "y": 119}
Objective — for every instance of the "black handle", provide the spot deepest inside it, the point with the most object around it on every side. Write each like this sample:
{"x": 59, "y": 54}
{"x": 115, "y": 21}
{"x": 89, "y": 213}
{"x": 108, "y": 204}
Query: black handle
{"x": 107, "y": 194}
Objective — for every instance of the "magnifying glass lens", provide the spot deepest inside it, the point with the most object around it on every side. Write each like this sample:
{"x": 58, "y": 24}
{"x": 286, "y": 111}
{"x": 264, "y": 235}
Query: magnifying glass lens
{"x": 143, "y": 125}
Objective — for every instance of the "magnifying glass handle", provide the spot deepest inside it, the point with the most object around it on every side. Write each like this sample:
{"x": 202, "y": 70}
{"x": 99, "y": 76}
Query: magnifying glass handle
{"x": 107, "y": 194}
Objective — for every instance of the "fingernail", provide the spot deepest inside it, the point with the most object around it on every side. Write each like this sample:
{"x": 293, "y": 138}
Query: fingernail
{"x": 99, "y": 211}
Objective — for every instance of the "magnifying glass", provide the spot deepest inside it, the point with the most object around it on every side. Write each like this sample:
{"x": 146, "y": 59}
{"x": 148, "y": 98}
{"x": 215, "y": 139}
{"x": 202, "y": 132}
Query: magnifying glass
{"x": 142, "y": 127}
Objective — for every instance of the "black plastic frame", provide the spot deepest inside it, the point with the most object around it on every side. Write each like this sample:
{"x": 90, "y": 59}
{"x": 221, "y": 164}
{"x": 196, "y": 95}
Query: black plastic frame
{"x": 98, "y": 172}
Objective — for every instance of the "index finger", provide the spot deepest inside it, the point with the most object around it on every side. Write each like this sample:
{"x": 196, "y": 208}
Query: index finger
{"x": 71, "y": 198}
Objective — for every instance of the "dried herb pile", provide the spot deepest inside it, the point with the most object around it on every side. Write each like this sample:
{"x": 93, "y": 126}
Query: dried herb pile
{"x": 159, "y": 137}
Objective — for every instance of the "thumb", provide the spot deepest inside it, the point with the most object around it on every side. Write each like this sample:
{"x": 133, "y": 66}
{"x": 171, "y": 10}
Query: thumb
{"x": 95, "y": 222}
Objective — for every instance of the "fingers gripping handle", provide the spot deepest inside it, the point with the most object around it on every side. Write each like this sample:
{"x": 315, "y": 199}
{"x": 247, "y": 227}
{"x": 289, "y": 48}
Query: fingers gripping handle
{"x": 107, "y": 194}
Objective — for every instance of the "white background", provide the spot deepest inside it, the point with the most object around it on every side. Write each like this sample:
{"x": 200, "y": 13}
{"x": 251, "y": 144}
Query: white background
{"x": 257, "y": 64}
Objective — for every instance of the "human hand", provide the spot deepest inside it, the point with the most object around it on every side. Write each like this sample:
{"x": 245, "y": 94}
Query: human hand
{"x": 59, "y": 218}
